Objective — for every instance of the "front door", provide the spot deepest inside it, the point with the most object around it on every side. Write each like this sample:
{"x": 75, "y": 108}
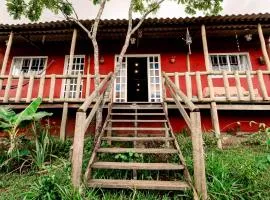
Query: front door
{"x": 137, "y": 81}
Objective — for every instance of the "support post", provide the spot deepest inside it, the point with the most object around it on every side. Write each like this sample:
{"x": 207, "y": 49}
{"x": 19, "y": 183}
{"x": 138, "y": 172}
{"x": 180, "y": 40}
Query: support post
{"x": 78, "y": 143}
{"x": 6, "y": 56}
{"x": 198, "y": 155}
{"x": 5, "y": 60}
{"x": 263, "y": 46}
{"x": 215, "y": 123}
{"x": 70, "y": 63}
{"x": 205, "y": 48}
{"x": 64, "y": 121}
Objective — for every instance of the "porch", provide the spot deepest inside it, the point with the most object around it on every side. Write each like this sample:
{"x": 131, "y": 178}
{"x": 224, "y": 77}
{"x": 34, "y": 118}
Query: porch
{"x": 201, "y": 87}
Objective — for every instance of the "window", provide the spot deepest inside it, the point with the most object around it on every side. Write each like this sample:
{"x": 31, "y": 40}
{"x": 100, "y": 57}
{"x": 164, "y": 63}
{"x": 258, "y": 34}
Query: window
{"x": 77, "y": 68}
{"x": 28, "y": 65}
{"x": 230, "y": 62}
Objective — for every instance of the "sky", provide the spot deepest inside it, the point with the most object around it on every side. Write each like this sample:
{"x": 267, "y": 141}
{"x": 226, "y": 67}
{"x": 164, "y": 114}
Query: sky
{"x": 118, "y": 9}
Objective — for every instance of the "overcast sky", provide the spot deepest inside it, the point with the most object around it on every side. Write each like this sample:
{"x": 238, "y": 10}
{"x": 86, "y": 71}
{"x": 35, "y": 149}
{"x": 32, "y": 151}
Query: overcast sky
{"x": 118, "y": 9}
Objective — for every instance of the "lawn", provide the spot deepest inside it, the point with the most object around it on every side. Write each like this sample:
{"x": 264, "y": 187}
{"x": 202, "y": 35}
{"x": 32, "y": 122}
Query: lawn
{"x": 237, "y": 172}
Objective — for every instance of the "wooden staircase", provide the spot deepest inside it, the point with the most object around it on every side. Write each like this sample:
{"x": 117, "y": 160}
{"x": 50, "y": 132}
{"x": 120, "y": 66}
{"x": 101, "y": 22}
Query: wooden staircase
{"x": 137, "y": 140}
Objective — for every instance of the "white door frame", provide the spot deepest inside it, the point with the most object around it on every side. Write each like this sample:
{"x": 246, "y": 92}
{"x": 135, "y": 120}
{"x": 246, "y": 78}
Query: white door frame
{"x": 148, "y": 73}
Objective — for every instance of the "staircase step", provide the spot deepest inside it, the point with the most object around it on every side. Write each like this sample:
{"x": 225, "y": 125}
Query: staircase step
{"x": 137, "y": 150}
{"x": 139, "y": 120}
{"x": 138, "y": 184}
{"x": 136, "y": 129}
{"x": 126, "y": 139}
{"x": 137, "y": 166}
{"x": 144, "y": 114}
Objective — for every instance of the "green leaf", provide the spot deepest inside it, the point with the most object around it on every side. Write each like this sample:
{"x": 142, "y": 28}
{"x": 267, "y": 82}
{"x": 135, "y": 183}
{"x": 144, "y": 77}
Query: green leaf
{"x": 5, "y": 125}
{"x": 268, "y": 158}
{"x": 6, "y": 113}
{"x": 28, "y": 111}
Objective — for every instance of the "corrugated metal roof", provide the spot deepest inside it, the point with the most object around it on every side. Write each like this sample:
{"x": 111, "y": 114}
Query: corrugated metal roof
{"x": 208, "y": 20}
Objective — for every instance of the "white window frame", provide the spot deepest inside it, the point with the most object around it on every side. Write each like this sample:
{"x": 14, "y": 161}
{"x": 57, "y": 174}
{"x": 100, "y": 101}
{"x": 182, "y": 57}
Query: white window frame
{"x": 29, "y": 70}
{"x": 148, "y": 74}
{"x": 227, "y": 57}
{"x": 65, "y": 72}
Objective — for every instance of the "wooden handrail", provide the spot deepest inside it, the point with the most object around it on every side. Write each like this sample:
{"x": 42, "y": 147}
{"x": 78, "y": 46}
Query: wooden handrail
{"x": 94, "y": 94}
{"x": 82, "y": 123}
{"x": 187, "y": 101}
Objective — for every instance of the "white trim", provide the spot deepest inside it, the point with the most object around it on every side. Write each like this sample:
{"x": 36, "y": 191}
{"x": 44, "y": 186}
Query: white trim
{"x": 126, "y": 56}
{"x": 65, "y": 70}
{"x": 29, "y": 57}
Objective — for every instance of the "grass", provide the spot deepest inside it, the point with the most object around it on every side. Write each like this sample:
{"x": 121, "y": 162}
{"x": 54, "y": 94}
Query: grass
{"x": 239, "y": 172}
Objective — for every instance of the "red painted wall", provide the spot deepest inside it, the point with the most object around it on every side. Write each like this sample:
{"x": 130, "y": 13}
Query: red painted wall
{"x": 166, "y": 48}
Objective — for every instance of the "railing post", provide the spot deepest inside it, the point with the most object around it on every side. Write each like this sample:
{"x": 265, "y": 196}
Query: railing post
{"x": 198, "y": 155}
{"x": 78, "y": 143}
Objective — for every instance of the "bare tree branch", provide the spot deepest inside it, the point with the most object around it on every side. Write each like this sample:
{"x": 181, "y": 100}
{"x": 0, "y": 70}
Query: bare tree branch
{"x": 145, "y": 15}
{"x": 97, "y": 19}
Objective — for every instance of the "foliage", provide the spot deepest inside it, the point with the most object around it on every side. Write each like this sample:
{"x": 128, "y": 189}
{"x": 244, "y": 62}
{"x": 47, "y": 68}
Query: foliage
{"x": 129, "y": 157}
{"x": 10, "y": 122}
{"x": 32, "y": 9}
{"x": 42, "y": 143}
{"x": 237, "y": 173}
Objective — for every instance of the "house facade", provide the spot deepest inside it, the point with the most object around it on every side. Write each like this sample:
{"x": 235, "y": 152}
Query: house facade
{"x": 221, "y": 63}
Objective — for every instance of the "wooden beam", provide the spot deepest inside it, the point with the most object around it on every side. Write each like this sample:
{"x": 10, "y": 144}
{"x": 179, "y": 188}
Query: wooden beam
{"x": 70, "y": 63}
{"x": 64, "y": 121}
{"x": 215, "y": 123}
{"x": 205, "y": 48}
{"x": 7, "y": 52}
{"x": 263, "y": 47}
{"x": 77, "y": 154}
{"x": 198, "y": 155}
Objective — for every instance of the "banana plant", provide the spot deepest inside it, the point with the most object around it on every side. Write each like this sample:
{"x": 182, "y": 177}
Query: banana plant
{"x": 10, "y": 122}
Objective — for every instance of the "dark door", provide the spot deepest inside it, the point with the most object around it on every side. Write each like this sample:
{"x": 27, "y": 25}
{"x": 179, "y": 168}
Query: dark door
{"x": 137, "y": 87}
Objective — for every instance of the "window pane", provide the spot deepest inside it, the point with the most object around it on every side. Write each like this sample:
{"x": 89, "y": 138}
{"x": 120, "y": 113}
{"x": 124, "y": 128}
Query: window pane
{"x": 17, "y": 63}
{"x": 25, "y": 65}
{"x": 223, "y": 60}
{"x": 244, "y": 63}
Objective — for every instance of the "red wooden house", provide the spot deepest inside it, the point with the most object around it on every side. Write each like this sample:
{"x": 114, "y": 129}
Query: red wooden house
{"x": 216, "y": 64}
{"x": 227, "y": 64}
